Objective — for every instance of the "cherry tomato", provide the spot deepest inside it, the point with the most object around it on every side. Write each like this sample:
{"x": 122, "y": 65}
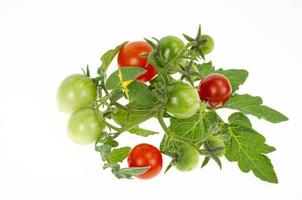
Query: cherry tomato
{"x": 187, "y": 159}
{"x": 75, "y": 92}
{"x": 132, "y": 55}
{"x": 170, "y": 47}
{"x": 183, "y": 101}
{"x": 215, "y": 89}
{"x": 209, "y": 45}
{"x": 84, "y": 126}
{"x": 143, "y": 155}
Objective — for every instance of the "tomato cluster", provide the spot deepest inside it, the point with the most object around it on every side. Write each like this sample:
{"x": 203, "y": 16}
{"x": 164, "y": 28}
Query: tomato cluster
{"x": 77, "y": 95}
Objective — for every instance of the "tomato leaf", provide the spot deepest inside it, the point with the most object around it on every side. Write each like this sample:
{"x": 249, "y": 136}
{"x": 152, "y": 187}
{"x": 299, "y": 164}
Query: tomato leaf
{"x": 236, "y": 77}
{"x": 104, "y": 151}
{"x": 247, "y": 147}
{"x": 118, "y": 155}
{"x": 140, "y": 96}
{"x": 214, "y": 124}
{"x": 205, "y": 161}
{"x": 205, "y": 69}
{"x": 128, "y": 73}
{"x": 168, "y": 146}
{"x": 130, "y": 172}
{"x": 116, "y": 94}
{"x": 123, "y": 117}
{"x": 253, "y": 105}
{"x": 109, "y": 56}
{"x": 141, "y": 131}
{"x": 192, "y": 128}
{"x": 109, "y": 141}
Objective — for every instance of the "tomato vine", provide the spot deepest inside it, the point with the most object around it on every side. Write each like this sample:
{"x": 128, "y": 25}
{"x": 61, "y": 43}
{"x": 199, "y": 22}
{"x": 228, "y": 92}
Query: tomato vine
{"x": 168, "y": 80}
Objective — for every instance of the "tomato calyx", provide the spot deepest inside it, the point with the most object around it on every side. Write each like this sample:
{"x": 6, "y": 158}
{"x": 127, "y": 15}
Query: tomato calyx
{"x": 200, "y": 45}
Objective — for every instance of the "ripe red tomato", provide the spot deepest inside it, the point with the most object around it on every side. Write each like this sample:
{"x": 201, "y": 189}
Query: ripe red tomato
{"x": 131, "y": 55}
{"x": 215, "y": 89}
{"x": 143, "y": 155}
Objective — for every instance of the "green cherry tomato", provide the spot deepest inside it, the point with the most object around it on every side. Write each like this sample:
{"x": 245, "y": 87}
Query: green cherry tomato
{"x": 187, "y": 159}
{"x": 170, "y": 47}
{"x": 209, "y": 45}
{"x": 215, "y": 143}
{"x": 84, "y": 126}
{"x": 183, "y": 100}
{"x": 75, "y": 92}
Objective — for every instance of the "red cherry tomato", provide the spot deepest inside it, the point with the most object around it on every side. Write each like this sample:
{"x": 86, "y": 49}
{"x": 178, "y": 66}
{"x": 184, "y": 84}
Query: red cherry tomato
{"x": 143, "y": 155}
{"x": 215, "y": 89}
{"x": 132, "y": 55}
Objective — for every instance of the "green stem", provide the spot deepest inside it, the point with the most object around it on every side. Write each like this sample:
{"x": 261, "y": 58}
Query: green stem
{"x": 108, "y": 124}
{"x": 163, "y": 124}
{"x": 98, "y": 78}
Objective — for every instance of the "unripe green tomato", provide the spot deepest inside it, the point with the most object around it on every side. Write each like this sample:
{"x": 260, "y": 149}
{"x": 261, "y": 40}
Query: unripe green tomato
{"x": 187, "y": 159}
{"x": 84, "y": 126}
{"x": 214, "y": 143}
{"x": 75, "y": 92}
{"x": 170, "y": 47}
{"x": 209, "y": 45}
{"x": 183, "y": 100}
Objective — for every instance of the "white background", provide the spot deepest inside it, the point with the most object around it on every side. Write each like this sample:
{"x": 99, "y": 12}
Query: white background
{"x": 41, "y": 42}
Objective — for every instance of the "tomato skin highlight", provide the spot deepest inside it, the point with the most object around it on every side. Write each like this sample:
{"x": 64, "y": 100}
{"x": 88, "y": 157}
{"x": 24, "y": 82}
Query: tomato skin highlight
{"x": 215, "y": 89}
{"x": 75, "y": 92}
{"x": 183, "y": 100}
{"x": 187, "y": 159}
{"x": 132, "y": 55}
{"x": 84, "y": 126}
{"x": 143, "y": 155}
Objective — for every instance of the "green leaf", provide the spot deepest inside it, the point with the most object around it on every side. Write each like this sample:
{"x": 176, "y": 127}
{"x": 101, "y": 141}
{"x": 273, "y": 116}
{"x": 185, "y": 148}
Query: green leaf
{"x": 118, "y": 155}
{"x": 239, "y": 119}
{"x": 110, "y": 141}
{"x": 236, "y": 77}
{"x": 116, "y": 94}
{"x": 188, "y": 38}
{"x": 253, "y": 105}
{"x": 122, "y": 117}
{"x": 141, "y": 131}
{"x": 168, "y": 146}
{"x": 205, "y": 69}
{"x": 128, "y": 73}
{"x": 248, "y": 147}
{"x": 109, "y": 56}
{"x": 205, "y": 161}
{"x": 192, "y": 128}
{"x": 130, "y": 172}
{"x": 104, "y": 151}
{"x": 214, "y": 124}
{"x": 140, "y": 96}
{"x": 151, "y": 43}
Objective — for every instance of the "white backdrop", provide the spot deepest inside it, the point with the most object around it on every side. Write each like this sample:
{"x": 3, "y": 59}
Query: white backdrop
{"x": 41, "y": 42}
